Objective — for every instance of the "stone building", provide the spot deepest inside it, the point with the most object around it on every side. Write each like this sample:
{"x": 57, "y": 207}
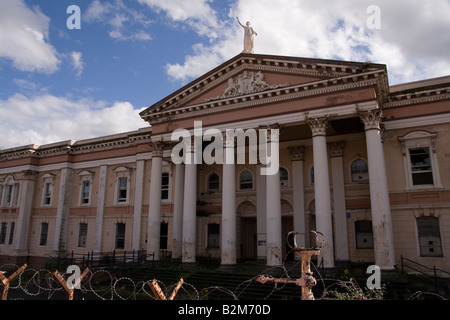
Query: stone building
{"x": 365, "y": 163}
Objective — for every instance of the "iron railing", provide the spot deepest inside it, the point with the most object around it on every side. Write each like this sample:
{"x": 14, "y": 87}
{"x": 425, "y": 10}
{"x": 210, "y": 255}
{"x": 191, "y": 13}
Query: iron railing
{"x": 99, "y": 259}
{"x": 431, "y": 272}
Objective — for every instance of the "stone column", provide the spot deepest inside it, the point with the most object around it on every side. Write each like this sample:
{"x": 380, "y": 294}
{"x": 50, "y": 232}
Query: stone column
{"x": 178, "y": 212}
{"x": 137, "y": 214}
{"x": 63, "y": 210}
{"x": 324, "y": 222}
{"x": 25, "y": 209}
{"x": 273, "y": 204}
{"x": 340, "y": 210}
{"x": 261, "y": 228}
{"x": 154, "y": 211}
{"x": 189, "y": 208}
{"x": 100, "y": 209}
{"x": 228, "y": 202}
{"x": 298, "y": 194}
{"x": 379, "y": 192}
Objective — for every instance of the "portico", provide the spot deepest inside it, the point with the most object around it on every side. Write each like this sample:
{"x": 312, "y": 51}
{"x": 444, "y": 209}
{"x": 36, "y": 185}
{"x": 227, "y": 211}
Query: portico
{"x": 308, "y": 101}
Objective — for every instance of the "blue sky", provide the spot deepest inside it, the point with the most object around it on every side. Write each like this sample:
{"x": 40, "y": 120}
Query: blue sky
{"x": 59, "y": 84}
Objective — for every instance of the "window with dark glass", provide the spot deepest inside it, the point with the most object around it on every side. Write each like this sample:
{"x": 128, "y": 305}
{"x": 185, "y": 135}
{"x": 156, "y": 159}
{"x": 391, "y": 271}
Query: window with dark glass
{"x": 246, "y": 180}
{"x": 359, "y": 171}
{"x": 82, "y": 235}
{"x": 213, "y": 235}
{"x": 165, "y": 186}
{"x": 213, "y": 182}
{"x": 120, "y": 236}
{"x": 85, "y": 191}
{"x": 284, "y": 178}
{"x": 47, "y": 194}
{"x": 122, "y": 189}
{"x": 3, "y": 228}
{"x": 44, "y": 234}
{"x": 12, "y": 226}
{"x": 421, "y": 166}
{"x": 164, "y": 235}
{"x": 364, "y": 234}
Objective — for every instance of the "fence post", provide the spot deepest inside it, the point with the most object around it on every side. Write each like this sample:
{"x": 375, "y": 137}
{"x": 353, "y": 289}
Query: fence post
{"x": 6, "y": 281}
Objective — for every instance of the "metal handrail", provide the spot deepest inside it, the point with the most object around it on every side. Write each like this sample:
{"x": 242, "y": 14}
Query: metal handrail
{"x": 433, "y": 269}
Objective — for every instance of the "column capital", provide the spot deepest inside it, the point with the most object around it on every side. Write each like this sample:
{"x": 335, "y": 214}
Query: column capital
{"x": 297, "y": 153}
{"x": 318, "y": 125}
{"x": 229, "y": 139}
{"x": 157, "y": 148}
{"x": 372, "y": 119}
{"x": 336, "y": 149}
{"x": 269, "y": 128}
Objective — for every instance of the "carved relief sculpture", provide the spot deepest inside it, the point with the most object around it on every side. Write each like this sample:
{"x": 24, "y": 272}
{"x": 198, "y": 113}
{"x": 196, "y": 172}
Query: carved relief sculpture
{"x": 246, "y": 83}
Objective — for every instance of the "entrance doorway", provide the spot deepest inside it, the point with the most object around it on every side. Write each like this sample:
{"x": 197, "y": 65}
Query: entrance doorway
{"x": 248, "y": 247}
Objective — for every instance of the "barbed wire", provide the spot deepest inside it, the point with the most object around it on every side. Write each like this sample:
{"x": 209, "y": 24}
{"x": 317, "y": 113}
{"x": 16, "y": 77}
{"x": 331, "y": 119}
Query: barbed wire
{"x": 101, "y": 284}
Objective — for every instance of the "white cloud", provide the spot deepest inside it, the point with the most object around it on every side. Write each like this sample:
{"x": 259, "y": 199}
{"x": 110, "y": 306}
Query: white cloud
{"x": 77, "y": 62}
{"x": 46, "y": 119}
{"x": 123, "y": 21}
{"x": 24, "y": 38}
{"x": 413, "y": 40}
{"x": 197, "y": 14}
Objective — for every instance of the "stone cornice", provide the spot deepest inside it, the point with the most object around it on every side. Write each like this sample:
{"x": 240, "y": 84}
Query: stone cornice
{"x": 81, "y": 147}
{"x": 427, "y": 96}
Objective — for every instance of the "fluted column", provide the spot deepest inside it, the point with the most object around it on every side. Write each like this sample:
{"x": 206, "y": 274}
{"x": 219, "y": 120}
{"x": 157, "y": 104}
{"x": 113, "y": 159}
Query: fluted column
{"x": 379, "y": 192}
{"x": 228, "y": 202}
{"x": 154, "y": 212}
{"x": 322, "y": 194}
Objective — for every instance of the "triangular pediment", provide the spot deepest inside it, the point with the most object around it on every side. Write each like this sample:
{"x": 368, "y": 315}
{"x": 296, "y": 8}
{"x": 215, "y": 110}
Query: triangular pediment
{"x": 256, "y": 77}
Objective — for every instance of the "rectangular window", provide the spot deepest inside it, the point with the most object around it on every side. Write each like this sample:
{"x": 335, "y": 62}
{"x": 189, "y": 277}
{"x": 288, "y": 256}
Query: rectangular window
{"x": 164, "y": 235}
{"x": 44, "y": 234}
{"x": 3, "y": 228}
{"x": 9, "y": 195}
{"x": 429, "y": 237}
{"x": 47, "y": 200}
{"x": 421, "y": 166}
{"x": 364, "y": 234}
{"x": 85, "y": 191}
{"x": 123, "y": 189}
{"x": 120, "y": 236}
{"x": 213, "y": 235}
{"x": 82, "y": 235}
{"x": 12, "y": 225}
{"x": 165, "y": 186}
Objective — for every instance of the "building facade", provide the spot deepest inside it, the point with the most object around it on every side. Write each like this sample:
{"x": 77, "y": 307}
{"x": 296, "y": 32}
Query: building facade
{"x": 364, "y": 163}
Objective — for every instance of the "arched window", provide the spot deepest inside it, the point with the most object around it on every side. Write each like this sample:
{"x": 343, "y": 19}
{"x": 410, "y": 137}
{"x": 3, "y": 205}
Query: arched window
{"x": 359, "y": 171}
{"x": 246, "y": 180}
{"x": 284, "y": 178}
{"x": 213, "y": 182}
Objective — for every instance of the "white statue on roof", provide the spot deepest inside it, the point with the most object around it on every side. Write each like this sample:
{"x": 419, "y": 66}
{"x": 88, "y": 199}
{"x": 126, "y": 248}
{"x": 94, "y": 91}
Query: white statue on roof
{"x": 249, "y": 36}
